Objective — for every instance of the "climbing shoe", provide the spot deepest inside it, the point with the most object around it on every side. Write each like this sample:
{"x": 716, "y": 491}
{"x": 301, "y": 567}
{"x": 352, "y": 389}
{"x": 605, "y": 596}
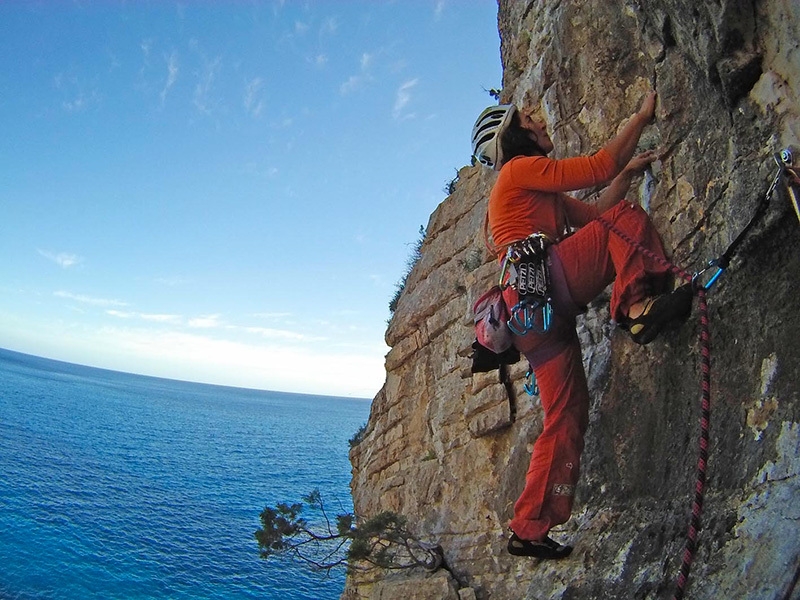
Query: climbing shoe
{"x": 659, "y": 313}
{"x": 546, "y": 549}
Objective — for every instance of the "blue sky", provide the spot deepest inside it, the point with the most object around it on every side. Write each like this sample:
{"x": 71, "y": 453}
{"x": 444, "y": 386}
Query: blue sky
{"x": 227, "y": 192}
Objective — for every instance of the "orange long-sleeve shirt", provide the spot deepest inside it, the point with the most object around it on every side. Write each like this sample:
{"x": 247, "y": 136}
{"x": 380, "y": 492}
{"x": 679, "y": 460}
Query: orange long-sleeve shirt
{"x": 529, "y": 196}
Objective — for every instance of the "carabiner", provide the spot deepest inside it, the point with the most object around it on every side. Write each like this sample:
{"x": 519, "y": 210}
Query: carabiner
{"x": 503, "y": 272}
{"x": 780, "y": 158}
{"x": 547, "y": 316}
{"x": 527, "y": 322}
{"x": 785, "y": 161}
{"x": 793, "y": 188}
{"x": 712, "y": 264}
{"x": 517, "y": 325}
{"x": 511, "y": 258}
{"x": 531, "y": 386}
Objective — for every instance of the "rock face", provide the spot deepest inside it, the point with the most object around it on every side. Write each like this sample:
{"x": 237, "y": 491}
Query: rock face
{"x": 449, "y": 450}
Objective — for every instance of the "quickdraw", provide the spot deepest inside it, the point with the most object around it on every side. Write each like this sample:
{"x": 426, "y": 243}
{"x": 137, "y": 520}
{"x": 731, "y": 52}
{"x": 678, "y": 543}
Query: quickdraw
{"x": 718, "y": 265}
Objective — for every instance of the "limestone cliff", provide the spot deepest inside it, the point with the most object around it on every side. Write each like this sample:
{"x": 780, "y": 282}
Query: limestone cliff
{"x": 449, "y": 450}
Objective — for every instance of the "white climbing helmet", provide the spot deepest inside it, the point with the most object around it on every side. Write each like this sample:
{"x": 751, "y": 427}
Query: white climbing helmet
{"x": 486, "y": 134}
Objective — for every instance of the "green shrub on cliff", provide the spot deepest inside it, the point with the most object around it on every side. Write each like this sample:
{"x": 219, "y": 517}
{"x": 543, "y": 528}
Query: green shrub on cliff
{"x": 411, "y": 261}
{"x": 382, "y": 541}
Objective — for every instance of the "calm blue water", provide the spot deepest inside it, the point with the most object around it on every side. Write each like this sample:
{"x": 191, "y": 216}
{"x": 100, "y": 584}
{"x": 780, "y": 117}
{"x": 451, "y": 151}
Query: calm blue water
{"x": 120, "y": 486}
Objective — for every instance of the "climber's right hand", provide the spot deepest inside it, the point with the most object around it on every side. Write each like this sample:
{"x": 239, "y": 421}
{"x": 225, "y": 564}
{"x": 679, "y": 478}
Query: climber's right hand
{"x": 640, "y": 162}
{"x": 648, "y": 109}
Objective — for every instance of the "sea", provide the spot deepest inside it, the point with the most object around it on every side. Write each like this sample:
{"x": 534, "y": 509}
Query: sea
{"x": 118, "y": 486}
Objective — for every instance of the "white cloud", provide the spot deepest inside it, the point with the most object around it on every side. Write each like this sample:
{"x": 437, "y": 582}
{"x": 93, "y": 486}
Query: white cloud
{"x": 277, "y": 6}
{"x": 329, "y": 26}
{"x": 273, "y": 315}
{"x": 210, "y": 322}
{"x": 223, "y": 361}
{"x": 438, "y": 9}
{"x": 280, "y": 334}
{"x": 172, "y": 75}
{"x": 158, "y": 318}
{"x": 88, "y": 299}
{"x": 76, "y": 105}
{"x": 79, "y": 95}
{"x": 403, "y": 98}
{"x": 320, "y": 60}
{"x": 205, "y": 322}
{"x": 155, "y": 318}
{"x": 172, "y": 281}
{"x": 231, "y": 357}
{"x": 204, "y": 86}
{"x": 351, "y": 85}
{"x": 355, "y": 82}
{"x": 254, "y": 169}
{"x": 121, "y": 314}
{"x": 62, "y": 259}
{"x": 114, "y": 62}
{"x": 253, "y": 103}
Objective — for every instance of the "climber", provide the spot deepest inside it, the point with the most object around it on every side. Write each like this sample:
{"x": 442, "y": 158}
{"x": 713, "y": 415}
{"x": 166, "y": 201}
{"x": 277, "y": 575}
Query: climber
{"x": 583, "y": 258}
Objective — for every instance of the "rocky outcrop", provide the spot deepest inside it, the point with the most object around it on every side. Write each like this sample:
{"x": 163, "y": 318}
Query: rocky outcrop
{"x": 449, "y": 450}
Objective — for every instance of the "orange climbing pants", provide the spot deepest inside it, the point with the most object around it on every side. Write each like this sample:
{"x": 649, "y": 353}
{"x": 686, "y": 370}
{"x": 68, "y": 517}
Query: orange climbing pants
{"x": 581, "y": 267}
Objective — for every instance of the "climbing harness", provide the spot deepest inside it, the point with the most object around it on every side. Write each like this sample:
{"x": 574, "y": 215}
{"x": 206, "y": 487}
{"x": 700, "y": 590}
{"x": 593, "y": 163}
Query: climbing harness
{"x": 719, "y": 264}
{"x": 525, "y": 269}
{"x": 784, "y": 160}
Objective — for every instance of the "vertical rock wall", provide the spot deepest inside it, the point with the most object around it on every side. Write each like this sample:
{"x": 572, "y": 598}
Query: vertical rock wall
{"x": 449, "y": 450}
